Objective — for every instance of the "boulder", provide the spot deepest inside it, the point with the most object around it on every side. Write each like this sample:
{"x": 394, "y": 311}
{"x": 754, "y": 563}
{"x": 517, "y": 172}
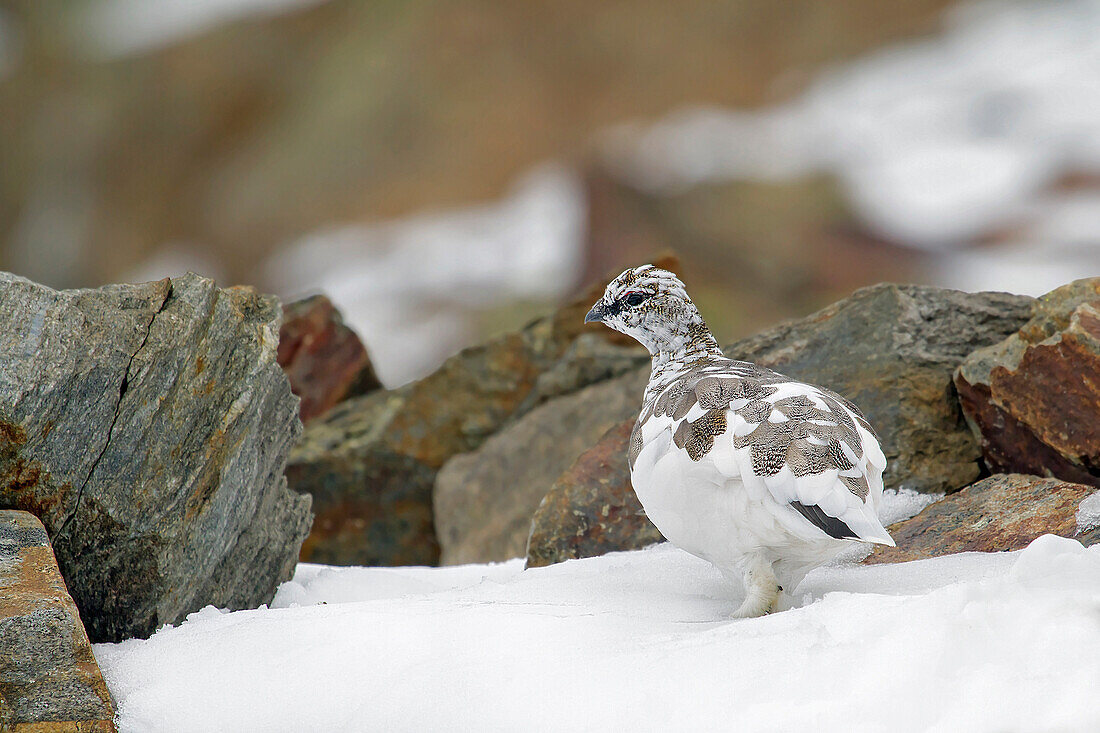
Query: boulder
{"x": 49, "y": 678}
{"x": 1003, "y": 512}
{"x": 892, "y": 350}
{"x": 484, "y": 500}
{"x": 324, "y": 360}
{"x": 1033, "y": 399}
{"x": 148, "y": 427}
{"x": 371, "y": 462}
{"x": 591, "y": 509}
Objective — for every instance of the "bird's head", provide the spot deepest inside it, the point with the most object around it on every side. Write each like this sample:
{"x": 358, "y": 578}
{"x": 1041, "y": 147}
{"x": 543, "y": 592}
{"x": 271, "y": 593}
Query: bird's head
{"x": 652, "y": 306}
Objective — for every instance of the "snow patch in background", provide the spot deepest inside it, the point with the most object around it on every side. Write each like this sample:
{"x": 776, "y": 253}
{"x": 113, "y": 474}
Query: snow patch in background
{"x": 115, "y": 28}
{"x": 635, "y": 641}
{"x": 937, "y": 143}
{"x": 173, "y": 260}
{"x": 1088, "y": 513}
{"x": 402, "y": 284}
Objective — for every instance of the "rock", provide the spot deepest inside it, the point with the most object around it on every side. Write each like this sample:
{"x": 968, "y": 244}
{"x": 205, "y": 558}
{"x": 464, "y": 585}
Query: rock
{"x": 370, "y": 463}
{"x": 49, "y": 678}
{"x": 484, "y": 500}
{"x": 1033, "y": 400}
{"x": 148, "y": 427}
{"x": 1003, "y": 512}
{"x": 591, "y": 509}
{"x": 892, "y": 350}
{"x": 324, "y": 359}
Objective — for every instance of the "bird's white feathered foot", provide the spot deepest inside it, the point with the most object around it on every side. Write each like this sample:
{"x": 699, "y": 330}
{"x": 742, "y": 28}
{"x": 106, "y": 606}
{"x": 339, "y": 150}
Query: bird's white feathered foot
{"x": 762, "y": 591}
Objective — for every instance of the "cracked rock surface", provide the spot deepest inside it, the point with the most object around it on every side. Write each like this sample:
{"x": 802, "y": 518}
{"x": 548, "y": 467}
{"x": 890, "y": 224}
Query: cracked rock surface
{"x": 147, "y": 426}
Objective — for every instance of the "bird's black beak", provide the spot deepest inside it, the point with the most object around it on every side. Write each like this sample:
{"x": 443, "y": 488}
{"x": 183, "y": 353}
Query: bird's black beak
{"x": 598, "y": 312}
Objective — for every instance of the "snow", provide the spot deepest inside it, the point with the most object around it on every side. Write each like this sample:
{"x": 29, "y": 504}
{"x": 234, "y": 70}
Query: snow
{"x": 637, "y": 641}
{"x": 421, "y": 271}
{"x": 1088, "y": 513}
{"x": 124, "y": 27}
{"x": 899, "y": 504}
{"x": 937, "y": 142}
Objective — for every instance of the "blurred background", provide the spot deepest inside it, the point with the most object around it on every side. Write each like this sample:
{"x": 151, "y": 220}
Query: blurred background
{"x": 446, "y": 171}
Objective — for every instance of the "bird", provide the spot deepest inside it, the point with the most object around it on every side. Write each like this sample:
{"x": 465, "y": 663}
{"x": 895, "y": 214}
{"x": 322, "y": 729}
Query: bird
{"x": 761, "y": 475}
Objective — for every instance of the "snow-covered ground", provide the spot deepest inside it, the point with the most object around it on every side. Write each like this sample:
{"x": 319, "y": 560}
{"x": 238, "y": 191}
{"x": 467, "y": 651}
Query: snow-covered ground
{"x": 636, "y": 641}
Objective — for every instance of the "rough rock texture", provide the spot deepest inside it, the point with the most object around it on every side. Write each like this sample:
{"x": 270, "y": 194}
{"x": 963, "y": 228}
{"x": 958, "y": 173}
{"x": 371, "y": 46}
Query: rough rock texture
{"x": 892, "y": 349}
{"x": 484, "y": 500}
{"x": 324, "y": 359}
{"x": 591, "y": 509}
{"x": 1034, "y": 399}
{"x": 148, "y": 426}
{"x": 370, "y": 463}
{"x": 1000, "y": 513}
{"x": 49, "y": 679}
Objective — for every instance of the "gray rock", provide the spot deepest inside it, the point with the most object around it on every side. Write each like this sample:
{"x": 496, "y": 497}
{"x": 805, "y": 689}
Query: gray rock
{"x": 892, "y": 350}
{"x": 484, "y": 500}
{"x": 148, "y": 426}
{"x": 48, "y": 674}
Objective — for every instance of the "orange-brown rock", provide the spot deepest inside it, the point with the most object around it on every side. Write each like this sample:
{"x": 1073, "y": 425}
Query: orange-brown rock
{"x": 591, "y": 509}
{"x": 1003, "y": 512}
{"x": 323, "y": 358}
{"x": 49, "y": 678}
{"x": 1034, "y": 399}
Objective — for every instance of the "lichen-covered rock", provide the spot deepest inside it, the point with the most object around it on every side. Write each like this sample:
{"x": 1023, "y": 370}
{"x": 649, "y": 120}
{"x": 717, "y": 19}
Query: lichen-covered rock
{"x": 370, "y": 463}
{"x": 1003, "y": 512}
{"x": 323, "y": 358}
{"x": 49, "y": 678}
{"x": 1033, "y": 399}
{"x": 484, "y": 500}
{"x": 892, "y": 350}
{"x": 148, "y": 427}
{"x": 591, "y": 509}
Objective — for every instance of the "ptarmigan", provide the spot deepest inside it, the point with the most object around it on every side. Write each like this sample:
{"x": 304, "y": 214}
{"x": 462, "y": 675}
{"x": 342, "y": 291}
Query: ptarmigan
{"x": 761, "y": 475}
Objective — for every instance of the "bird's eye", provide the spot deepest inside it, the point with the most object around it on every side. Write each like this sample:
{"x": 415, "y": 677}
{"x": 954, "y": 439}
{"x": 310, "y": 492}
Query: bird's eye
{"x": 636, "y": 298}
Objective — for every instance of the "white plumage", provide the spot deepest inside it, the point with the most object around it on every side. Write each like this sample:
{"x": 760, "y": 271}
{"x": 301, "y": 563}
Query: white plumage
{"x": 761, "y": 475}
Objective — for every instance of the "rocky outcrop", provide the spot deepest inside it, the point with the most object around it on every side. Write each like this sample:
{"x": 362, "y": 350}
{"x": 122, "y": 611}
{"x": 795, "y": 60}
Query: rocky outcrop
{"x": 371, "y": 462}
{"x": 484, "y": 500}
{"x": 1033, "y": 400}
{"x": 892, "y": 350}
{"x": 49, "y": 678}
{"x": 324, "y": 360}
{"x": 1003, "y": 512}
{"x": 591, "y": 509}
{"x": 148, "y": 426}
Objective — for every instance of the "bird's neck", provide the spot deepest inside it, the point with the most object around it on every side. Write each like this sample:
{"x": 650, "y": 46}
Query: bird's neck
{"x": 697, "y": 347}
